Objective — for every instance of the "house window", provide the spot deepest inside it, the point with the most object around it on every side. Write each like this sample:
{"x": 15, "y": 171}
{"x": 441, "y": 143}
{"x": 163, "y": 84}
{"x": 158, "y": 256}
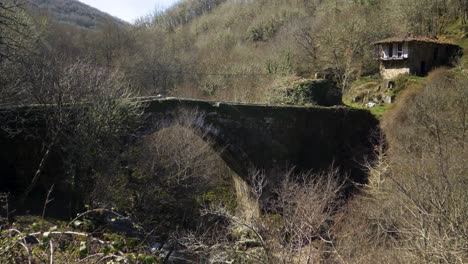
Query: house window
{"x": 390, "y": 50}
{"x": 400, "y": 50}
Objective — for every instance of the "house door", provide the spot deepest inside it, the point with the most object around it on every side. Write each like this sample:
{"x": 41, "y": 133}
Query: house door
{"x": 423, "y": 68}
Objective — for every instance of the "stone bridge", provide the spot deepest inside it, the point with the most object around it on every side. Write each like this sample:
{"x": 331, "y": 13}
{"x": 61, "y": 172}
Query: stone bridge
{"x": 250, "y": 136}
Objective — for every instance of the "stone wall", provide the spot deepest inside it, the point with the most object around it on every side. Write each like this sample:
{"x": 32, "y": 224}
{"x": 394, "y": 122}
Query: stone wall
{"x": 391, "y": 69}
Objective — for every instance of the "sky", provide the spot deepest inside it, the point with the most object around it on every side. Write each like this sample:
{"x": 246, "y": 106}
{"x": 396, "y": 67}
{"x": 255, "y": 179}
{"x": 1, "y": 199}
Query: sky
{"x": 129, "y": 10}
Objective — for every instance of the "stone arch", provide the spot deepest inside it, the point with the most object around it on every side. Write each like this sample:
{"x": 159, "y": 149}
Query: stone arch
{"x": 271, "y": 137}
{"x": 195, "y": 119}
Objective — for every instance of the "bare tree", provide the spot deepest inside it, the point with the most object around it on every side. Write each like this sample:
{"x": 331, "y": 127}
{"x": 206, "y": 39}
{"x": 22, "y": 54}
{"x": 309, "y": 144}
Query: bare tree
{"x": 89, "y": 113}
{"x": 17, "y": 36}
{"x": 298, "y": 227}
{"x": 13, "y": 30}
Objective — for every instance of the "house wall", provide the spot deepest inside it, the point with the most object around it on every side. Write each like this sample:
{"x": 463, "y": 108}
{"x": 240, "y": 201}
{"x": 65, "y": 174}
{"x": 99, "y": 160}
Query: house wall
{"x": 423, "y": 53}
{"x": 420, "y": 58}
{"x": 392, "y": 68}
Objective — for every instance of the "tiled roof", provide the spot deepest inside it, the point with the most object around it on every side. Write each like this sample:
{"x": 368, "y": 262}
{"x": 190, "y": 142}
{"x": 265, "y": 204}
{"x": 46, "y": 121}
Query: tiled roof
{"x": 414, "y": 38}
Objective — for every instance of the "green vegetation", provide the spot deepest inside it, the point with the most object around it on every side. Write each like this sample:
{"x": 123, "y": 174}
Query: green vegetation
{"x": 35, "y": 240}
{"x": 369, "y": 90}
{"x": 378, "y": 111}
{"x": 297, "y": 91}
{"x": 406, "y": 81}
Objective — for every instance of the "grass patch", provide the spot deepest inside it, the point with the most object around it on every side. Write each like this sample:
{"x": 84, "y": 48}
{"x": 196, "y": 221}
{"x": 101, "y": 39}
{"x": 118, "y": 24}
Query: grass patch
{"x": 404, "y": 81}
{"x": 368, "y": 86}
{"x": 377, "y": 110}
{"x": 375, "y": 78}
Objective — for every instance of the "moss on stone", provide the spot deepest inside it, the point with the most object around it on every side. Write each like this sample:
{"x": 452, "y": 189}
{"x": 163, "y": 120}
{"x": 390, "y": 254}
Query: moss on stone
{"x": 298, "y": 91}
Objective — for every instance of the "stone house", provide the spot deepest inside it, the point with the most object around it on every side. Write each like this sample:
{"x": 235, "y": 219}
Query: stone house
{"x": 414, "y": 55}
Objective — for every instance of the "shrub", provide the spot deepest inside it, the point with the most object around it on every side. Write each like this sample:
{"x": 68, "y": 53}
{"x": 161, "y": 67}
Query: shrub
{"x": 428, "y": 167}
{"x": 415, "y": 209}
{"x": 263, "y": 31}
{"x": 307, "y": 92}
{"x": 296, "y": 229}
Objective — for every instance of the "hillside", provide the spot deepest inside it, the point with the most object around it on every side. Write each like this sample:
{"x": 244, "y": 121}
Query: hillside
{"x": 245, "y": 50}
{"x": 71, "y": 12}
{"x": 135, "y": 187}
{"x": 240, "y": 50}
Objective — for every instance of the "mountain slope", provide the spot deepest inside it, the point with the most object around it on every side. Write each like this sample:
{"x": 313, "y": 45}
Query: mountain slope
{"x": 71, "y": 12}
{"x": 245, "y": 47}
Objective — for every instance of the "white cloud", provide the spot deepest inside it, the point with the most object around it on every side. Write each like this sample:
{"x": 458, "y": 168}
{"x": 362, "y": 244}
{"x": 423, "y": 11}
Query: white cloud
{"x": 129, "y": 10}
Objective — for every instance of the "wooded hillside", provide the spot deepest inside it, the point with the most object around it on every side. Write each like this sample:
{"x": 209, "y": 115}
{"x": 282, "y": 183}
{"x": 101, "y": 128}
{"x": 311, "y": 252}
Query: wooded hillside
{"x": 170, "y": 195}
{"x": 71, "y": 12}
{"x": 239, "y": 50}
